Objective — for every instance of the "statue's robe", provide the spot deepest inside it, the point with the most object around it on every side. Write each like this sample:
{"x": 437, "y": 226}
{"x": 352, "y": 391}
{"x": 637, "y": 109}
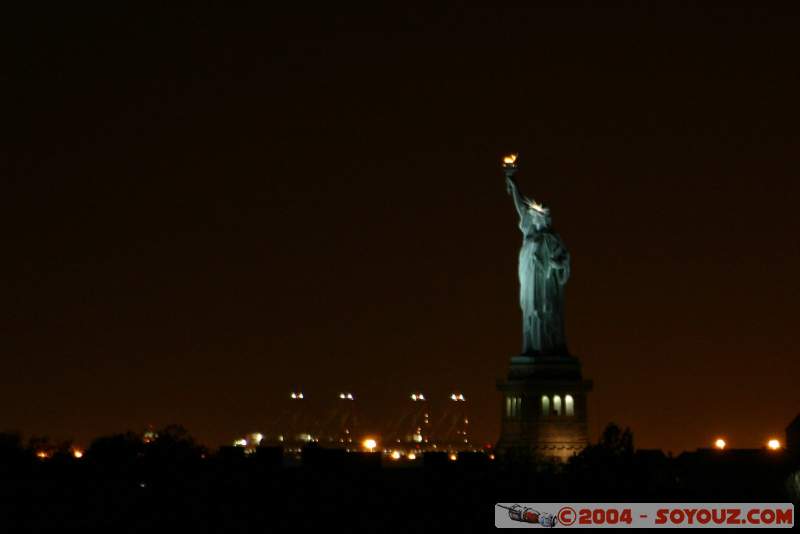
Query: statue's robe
{"x": 543, "y": 272}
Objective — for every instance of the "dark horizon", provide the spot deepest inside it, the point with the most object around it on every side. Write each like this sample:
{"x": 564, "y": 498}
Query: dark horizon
{"x": 204, "y": 211}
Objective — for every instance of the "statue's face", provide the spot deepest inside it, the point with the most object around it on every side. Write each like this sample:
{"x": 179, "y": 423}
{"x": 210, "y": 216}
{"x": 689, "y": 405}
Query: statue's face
{"x": 539, "y": 218}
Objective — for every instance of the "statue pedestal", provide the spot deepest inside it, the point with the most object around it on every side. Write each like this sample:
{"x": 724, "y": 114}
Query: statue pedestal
{"x": 544, "y": 408}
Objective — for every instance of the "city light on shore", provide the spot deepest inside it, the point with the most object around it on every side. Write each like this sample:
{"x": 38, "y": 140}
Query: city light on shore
{"x": 773, "y": 444}
{"x": 720, "y": 444}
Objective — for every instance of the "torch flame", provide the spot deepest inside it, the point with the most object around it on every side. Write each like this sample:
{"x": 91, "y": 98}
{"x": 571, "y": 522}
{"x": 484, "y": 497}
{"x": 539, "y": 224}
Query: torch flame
{"x": 510, "y": 159}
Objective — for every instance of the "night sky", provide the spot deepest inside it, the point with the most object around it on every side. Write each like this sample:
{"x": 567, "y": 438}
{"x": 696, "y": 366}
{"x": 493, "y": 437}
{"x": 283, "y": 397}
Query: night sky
{"x": 204, "y": 210}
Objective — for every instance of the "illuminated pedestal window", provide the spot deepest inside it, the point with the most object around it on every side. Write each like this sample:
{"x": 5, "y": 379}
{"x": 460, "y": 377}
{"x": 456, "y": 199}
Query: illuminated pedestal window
{"x": 556, "y": 405}
{"x": 513, "y": 406}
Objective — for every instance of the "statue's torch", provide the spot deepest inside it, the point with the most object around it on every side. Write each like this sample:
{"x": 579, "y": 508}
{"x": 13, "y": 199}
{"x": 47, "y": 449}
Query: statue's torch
{"x": 510, "y": 165}
{"x": 509, "y": 168}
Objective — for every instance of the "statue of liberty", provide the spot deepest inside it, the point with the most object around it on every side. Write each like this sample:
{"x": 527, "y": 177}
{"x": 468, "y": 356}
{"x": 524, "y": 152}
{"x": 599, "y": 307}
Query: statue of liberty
{"x": 543, "y": 273}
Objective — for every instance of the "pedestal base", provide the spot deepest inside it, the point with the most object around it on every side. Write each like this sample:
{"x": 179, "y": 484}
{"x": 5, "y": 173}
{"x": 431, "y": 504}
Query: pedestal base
{"x": 544, "y": 408}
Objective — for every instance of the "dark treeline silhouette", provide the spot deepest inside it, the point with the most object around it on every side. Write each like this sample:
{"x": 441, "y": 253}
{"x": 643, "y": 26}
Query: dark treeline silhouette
{"x": 129, "y": 482}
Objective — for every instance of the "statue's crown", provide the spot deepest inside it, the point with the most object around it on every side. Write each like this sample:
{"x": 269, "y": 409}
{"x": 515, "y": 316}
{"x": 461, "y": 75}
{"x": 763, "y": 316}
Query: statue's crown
{"x": 535, "y": 206}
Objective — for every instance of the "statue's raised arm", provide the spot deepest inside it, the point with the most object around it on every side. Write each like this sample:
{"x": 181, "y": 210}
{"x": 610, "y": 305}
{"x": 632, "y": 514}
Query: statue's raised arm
{"x": 520, "y": 202}
{"x": 509, "y": 168}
